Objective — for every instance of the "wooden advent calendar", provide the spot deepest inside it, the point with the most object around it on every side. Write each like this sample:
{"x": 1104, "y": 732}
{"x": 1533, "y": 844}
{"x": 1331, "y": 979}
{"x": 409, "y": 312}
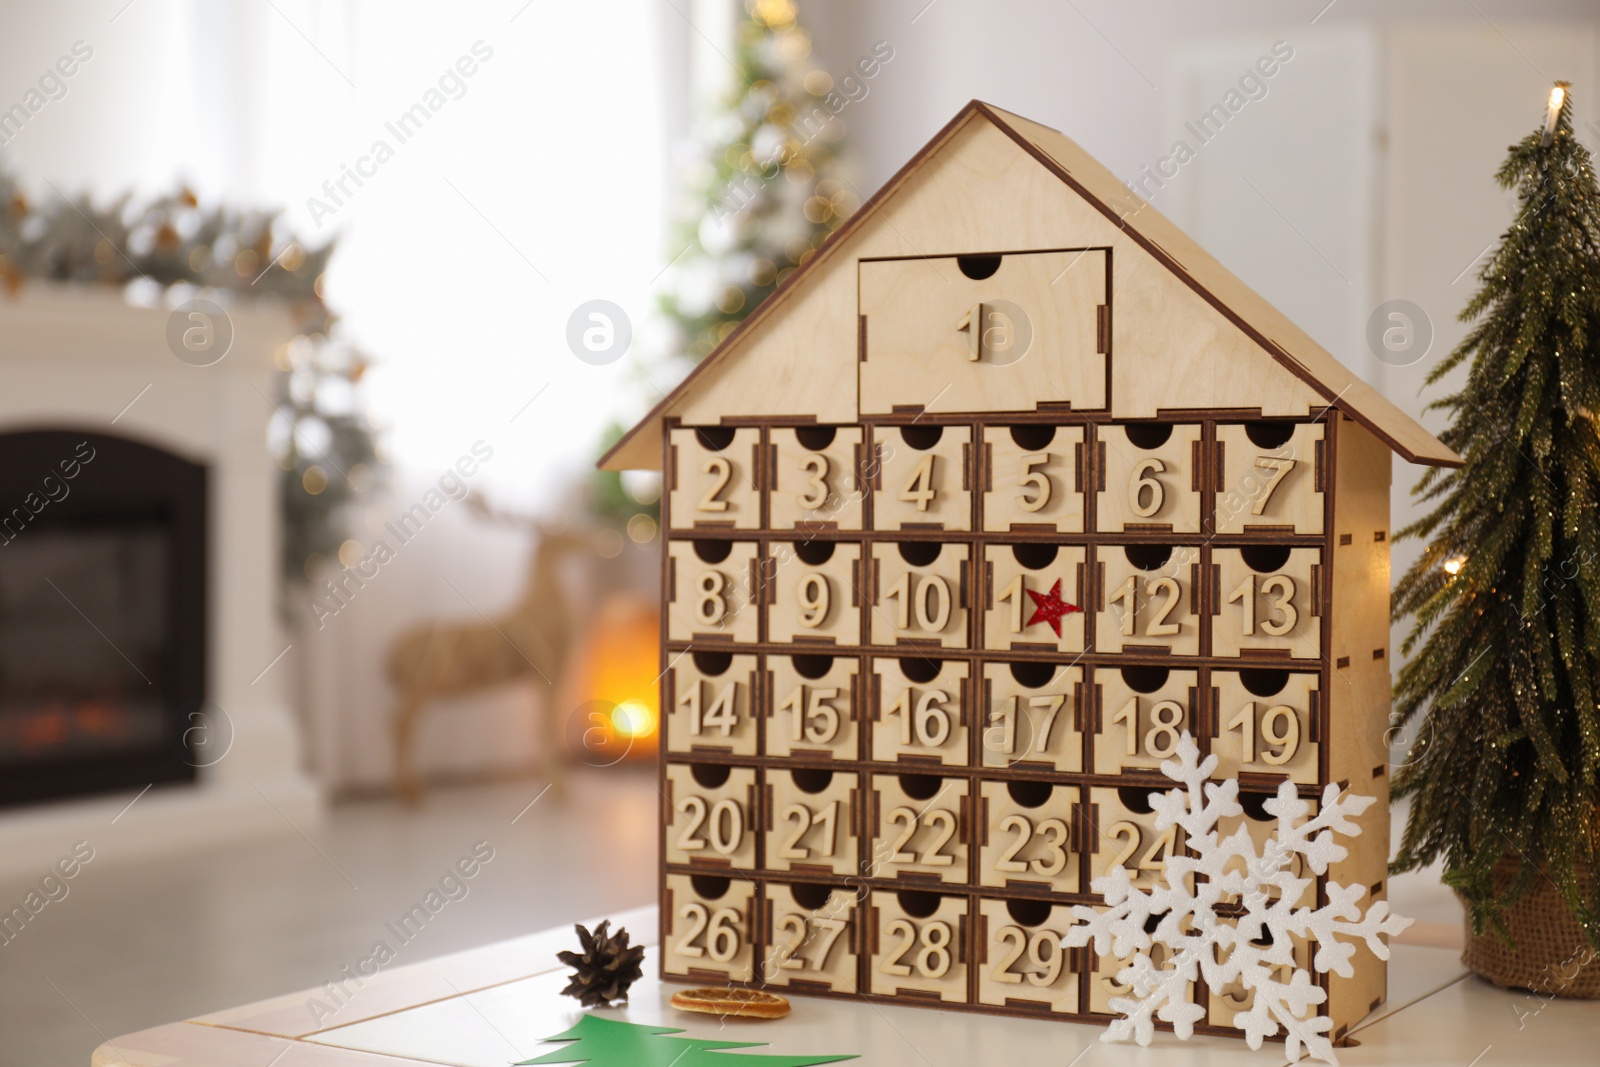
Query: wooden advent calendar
{"x": 1003, "y": 490}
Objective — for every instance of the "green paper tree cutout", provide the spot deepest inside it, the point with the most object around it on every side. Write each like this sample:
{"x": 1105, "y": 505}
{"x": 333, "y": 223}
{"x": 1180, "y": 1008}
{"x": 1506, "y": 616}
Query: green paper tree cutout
{"x": 609, "y": 1043}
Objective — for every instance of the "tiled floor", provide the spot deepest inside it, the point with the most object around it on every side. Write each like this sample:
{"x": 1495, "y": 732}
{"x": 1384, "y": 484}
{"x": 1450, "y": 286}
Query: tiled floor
{"x": 136, "y": 945}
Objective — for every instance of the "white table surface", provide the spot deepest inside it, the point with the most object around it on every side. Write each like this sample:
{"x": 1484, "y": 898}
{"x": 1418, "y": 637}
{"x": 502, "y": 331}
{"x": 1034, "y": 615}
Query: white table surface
{"x": 490, "y": 1006}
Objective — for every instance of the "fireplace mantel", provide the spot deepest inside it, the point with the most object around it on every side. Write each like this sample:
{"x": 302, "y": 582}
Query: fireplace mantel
{"x": 86, "y": 359}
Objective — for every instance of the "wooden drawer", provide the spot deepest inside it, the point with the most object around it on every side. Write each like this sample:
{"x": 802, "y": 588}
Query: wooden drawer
{"x": 1140, "y": 715}
{"x": 916, "y": 945}
{"x": 920, "y": 711}
{"x": 1268, "y": 601}
{"x": 1033, "y": 597}
{"x": 919, "y": 594}
{"x": 816, "y": 477}
{"x": 1149, "y": 477}
{"x": 1028, "y": 839}
{"x": 712, "y": 591}
{"x": 1122, "y": 832}
{"x": 922, "y": 478}
{"x": 711, "y": 816}
{"x": 1222, "y": 1005}
{"x": 813, "y": 934}
{"x": 1262, "y": 827}
{"x": 1033, "y": 716}
{"x": 1019, "y": 958}
{"x": 713, "y": 478}
{"x": 814, "y": 593}
{"x": 920, "y": 828}
{"x": 1148, "y": 599}
{"x": 1269, "y": 477}
{"x": 708, "y": 928}
{"x": 1005, "y": 331}
{"x": 1103, "y": 983}
{"x": 710, "y": 697}
{"x": 811, "y": 821}
{"x": 1266, "y": 723}
{"x": 812, "y": 706}
{"x": 1032, "y": 478}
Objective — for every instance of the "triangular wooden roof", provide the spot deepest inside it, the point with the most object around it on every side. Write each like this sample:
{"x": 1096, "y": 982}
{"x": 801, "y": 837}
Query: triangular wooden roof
{"x": 1158, "y": 236}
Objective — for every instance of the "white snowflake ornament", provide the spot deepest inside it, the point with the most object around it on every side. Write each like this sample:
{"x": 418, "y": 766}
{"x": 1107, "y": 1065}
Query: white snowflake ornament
{"x": 1239, "y": 926}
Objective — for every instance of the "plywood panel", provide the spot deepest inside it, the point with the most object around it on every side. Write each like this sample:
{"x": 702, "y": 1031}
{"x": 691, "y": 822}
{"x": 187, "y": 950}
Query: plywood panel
{"x": 711, "y": 591}
{"x": 711, "y": 817}
{"x": 922, "y": 479}
{"x": 814, "y": 593}
{"x": 811, "y": 821}
{"x": 917, "y": 944}
{"x": 1142, "y": 713}
{"x": 715, "y": 479}
{"x": 921, "y": 710}
{"x": 1149, "y": 477}
{"x": 812, "y": 707}
{"x": 816, "y": 480}
{"x": 1148, "y": 599}
{"x": 1019, "y": 957}
{"x": 1268, "y": 601}
{"x": 708, "y": 928}
{"x": 920, "y": 828}
{"x": 710, "y": 699}
{"x": 919, "y": 594}
{"x": 983, "y": 332}
{"x": 1033, "y": 478}
{"x": 1028, "y": 836}
{"x": 1033, "y": 597}
{"x": 1033, "y": 716}
{"x": 814, "y": 934}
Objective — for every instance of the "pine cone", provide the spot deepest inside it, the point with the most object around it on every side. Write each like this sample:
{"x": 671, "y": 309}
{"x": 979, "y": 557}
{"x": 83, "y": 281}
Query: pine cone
{"x": 606, "y": 967}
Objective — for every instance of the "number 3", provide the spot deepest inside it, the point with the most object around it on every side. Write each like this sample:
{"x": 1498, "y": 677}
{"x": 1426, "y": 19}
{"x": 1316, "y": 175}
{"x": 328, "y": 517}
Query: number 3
{"x": 816, "y": 494}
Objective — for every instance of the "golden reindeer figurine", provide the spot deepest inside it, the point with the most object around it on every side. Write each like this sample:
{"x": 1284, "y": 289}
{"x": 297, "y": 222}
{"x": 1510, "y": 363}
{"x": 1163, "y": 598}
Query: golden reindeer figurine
{"x": 443, "y": 658}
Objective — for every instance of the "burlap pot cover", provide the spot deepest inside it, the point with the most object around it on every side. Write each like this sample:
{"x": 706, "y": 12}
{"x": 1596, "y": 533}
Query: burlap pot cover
{"x": 1551, "y": 956}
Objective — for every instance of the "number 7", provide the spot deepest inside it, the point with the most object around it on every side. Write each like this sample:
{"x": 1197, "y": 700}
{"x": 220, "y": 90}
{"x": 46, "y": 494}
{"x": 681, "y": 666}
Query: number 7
{"x": 1280, "y": 469}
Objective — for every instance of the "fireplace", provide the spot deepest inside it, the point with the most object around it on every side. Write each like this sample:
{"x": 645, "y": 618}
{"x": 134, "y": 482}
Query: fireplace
{"x": 180, "y": 499}
{"x": 102, "y": 615}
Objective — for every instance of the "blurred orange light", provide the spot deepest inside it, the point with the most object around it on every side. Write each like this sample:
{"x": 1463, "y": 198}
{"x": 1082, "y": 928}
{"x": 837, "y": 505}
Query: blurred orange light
{"x": 619, "y": 664}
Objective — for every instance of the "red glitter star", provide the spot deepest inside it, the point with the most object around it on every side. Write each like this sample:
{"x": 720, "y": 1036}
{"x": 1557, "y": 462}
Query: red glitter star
{"x": 1049, "y": 607}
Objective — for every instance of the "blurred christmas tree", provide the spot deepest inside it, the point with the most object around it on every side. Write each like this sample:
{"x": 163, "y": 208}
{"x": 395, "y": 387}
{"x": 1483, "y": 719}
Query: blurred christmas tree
{"x": 760, "y": 197}
{"x": 322, "y": 441}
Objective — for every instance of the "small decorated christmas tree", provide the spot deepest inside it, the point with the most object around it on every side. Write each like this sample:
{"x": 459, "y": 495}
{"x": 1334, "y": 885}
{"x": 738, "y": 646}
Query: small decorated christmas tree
{"x": 609, "y": 1043}
{"x": 1505, "y": 650}
{"x": 760, "y": 195}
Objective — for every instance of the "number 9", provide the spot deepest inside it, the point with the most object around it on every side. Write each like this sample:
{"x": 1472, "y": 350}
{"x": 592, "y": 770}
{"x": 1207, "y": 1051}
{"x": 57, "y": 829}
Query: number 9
{"x": 814, "y": 596}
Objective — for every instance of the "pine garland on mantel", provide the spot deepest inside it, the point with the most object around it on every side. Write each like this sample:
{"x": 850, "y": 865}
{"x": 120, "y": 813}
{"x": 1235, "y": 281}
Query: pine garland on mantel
{"x": 323, "y": 443}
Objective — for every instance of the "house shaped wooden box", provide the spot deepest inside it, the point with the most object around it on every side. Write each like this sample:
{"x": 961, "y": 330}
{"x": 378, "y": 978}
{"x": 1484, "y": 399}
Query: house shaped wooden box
{"x": 1005, "y": 488}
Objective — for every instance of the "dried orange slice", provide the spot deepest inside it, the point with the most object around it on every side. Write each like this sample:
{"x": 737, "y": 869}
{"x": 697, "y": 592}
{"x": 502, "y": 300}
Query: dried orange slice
{"x": 746, "y": 1003}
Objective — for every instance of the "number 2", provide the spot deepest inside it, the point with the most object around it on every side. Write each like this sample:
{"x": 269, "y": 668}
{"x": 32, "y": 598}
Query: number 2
{"x": 721, "y": 471}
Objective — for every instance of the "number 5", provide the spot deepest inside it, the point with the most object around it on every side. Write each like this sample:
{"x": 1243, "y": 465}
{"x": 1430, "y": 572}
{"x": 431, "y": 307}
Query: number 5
{"x": 1037, "y": 482}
